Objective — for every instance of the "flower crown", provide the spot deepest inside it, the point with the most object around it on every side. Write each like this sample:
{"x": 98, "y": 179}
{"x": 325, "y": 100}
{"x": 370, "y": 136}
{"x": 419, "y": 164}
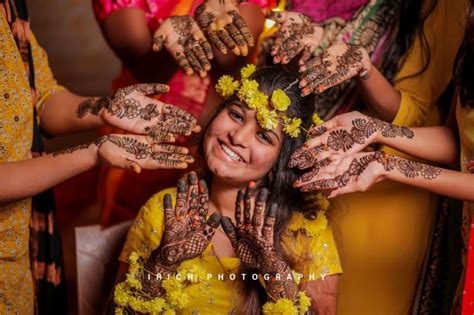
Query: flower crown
{"x": 249, "y": 93}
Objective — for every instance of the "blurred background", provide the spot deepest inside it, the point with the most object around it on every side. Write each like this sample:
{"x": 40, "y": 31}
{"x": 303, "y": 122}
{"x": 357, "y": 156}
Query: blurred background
{"x": 82, "y": 62}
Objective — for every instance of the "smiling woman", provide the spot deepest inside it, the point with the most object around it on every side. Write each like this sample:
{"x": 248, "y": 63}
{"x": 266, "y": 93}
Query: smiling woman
{"x": 265, "y": 231}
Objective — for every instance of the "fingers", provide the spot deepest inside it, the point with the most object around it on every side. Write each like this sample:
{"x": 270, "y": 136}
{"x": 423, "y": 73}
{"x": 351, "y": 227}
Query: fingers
{"x": 327, "y": 183}
{"x": 211, "y": 225}
{"x": 193, "y": 194}
{"x": 311, "y": 175}
{"x": 199, "y": 36}
{"x": 194, "y": 62}
{"x": 203, "y": 199}
{"x": 181, "y": 197}
{"x": 306, "y": 156}
{"x": 288, "y": 50}
{"x": 248, "y": 202}
{"x": 239, "y": 203}
{"x": 200, "y": 54}
{"x": 134, "y": 166}
{"x": 168, "y": 210}
{"x": 165, "y": 160}
{"x": 178, "y": 112}
{"x": 306, "y": 55}
{"x": 230, "y": 230}
{"x": 259, "y": 213}
{"x": 269, "y": 224}
{"x": 182, "y": 61}
{"x": 238, "y": 38}
{"x": 158, "y": 42}
{"x": 151, "y": 88}
{"x": 242, "y": 27}
{"x": 169, "y": 148}
{"x": 157, "y": 134}
{"x": 225, "y": 37}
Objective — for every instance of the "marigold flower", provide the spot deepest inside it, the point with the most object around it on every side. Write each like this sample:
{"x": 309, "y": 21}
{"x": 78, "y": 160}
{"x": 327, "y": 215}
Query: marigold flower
{"x": 247, "y": 71}
{"x": 292, "y": 127}
{"x": 226, "y": 86}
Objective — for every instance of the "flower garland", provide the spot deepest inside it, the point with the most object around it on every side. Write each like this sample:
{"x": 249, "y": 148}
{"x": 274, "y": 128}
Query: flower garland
{"x": 128, "y": 295}
{"x": 288, "y": 307}
{"x": 248, "y": 92}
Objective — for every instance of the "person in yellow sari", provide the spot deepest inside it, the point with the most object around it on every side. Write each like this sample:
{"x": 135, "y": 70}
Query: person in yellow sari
{"x": 265, "y": 230}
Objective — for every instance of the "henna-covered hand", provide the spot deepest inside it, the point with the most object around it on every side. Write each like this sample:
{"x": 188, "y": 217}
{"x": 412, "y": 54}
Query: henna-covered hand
{"x": 297, "y": 33}
{"x": 132, "y": 110}
{"x": 187, "y": 232}
{"x": 360, "y": 171}
{"x": 186, "y": 43}
{"x": 343, "y": 135}
{"x": 253, "y": 242}
{"x": 336, "y": 64}
{"x": 224, "y": 26}
{"x": 138, "y": 152}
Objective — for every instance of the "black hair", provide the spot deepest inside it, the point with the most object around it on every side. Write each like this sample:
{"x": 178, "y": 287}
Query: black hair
{"x": 411, "y": 17}
{"x": 280, "y": 178}
{"x": 463, "y": 70}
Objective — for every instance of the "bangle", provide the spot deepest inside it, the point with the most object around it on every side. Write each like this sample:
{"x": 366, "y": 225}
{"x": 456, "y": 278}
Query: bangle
{"x": 286, "y": 306}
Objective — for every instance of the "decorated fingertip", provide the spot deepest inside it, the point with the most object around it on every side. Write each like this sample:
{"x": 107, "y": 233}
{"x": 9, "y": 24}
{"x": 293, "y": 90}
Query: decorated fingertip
{"x": 203, "y": 186}
{"x": 214, "y": 220}
{"x": 167, "y": 201}
{"x": 263, "y": 195}
{"x": 181, "y": 185}
{"x": 273, "y": 210}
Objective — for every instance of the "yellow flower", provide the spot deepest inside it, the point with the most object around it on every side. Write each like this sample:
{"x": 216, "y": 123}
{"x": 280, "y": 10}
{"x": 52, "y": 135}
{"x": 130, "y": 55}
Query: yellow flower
{"x": 172, "y": 284}
{"x": 133, "y": 282}
{"x": 118, "y": 311}
{"x": 156, "y": 305}
{"x": 280, "y": 307}
{"x": 267, "y": 119}
{"x": 120, "y": 296}
{"x": 317, "y": 120}
{"x": 304, "y": 302}
{"x": 280, "y": 100}
{"x": 226, "y": 86}
{"x": 247, "y": 89}
{"x": 177, "y": 298}
{"x": 247, "y": 71}
{"x": 257, "y": 100}
{"x": 292, "y": 127}
{"x": 322, "y": 202}
{"x": 169, "y": 312}
{"x": 133, "y": 258}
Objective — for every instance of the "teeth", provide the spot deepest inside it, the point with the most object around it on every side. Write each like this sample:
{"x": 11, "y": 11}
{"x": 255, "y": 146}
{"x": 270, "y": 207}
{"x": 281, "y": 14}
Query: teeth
{"x": 229, "y": 152}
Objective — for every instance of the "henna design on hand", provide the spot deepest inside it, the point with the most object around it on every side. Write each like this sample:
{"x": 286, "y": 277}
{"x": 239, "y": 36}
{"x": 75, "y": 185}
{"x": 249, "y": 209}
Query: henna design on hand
{"x": 408, "y": 168}
{"x": 184, "y": 237}
{"x": 298, "y": 33}
{"x": 331, "y": 68}
{"x": 141, "y": 153}
{"x": 342, "y": 140}
{"x": 253, "y": 242}
{"x": 224, "y": 26}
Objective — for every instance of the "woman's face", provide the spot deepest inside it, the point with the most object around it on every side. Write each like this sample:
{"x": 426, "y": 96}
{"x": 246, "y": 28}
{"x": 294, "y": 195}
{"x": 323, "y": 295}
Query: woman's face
{"x": 237, "y": 149}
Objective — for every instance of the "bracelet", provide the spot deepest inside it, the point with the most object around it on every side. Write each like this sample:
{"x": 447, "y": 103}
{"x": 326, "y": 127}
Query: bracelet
{"x": 128, "y": 295}
{"x": 288, "y": 307}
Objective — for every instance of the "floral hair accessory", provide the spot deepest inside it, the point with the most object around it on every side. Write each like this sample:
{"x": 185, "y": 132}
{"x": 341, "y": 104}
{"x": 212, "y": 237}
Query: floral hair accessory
{"x": 249, "y": 93}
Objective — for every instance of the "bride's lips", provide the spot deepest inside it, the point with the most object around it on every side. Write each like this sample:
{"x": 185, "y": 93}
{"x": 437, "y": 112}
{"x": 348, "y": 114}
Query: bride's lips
{"x": 225, "y": 151}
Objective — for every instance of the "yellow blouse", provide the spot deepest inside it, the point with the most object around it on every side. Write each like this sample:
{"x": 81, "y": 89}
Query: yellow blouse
{"x": 16, "y": 134}
{"x": 312, "y": 252}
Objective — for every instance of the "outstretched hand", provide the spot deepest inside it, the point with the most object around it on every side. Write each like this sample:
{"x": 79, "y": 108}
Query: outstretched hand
{"x": 253, "y": 241}
{"x": 137, "y": 152}
{"x": 186, "y": 43}
{"x": 224, "y": 26}
{"x": 132, "y": 110}
{"x": 187, "y": 231}
{"x": 297, "y": 33}
{"x": 333, "y": 66}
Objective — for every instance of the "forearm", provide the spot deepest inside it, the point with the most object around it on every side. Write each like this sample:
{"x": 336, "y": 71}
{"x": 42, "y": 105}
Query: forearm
{"x": 379, "y": 94}
{"x": 64, "y": 113}
{"x": 445, "y": 182}
{"x": 437, "y": 144}
{"x": 27, "y": 178}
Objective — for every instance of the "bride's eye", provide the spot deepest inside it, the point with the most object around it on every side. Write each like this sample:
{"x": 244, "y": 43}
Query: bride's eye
{"x": 265, "y": 137}
{"x": 235, "y": 115}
